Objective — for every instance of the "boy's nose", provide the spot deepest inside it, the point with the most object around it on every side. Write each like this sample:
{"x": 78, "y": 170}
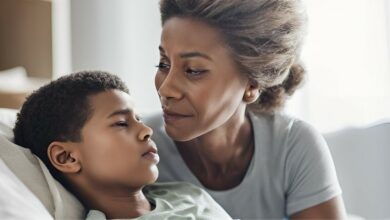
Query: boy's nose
{"x": 145, "y": 133}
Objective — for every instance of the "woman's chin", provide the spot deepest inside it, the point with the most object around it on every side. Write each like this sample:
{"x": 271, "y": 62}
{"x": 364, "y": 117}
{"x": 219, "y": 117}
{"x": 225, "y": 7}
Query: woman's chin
{"x": 179, "y": 134}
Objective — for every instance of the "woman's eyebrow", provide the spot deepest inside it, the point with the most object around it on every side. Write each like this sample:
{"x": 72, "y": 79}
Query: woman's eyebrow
{"x": 195, "y": 54}
{"x": 190, "y": 54}
{"x": 161, "y": 49}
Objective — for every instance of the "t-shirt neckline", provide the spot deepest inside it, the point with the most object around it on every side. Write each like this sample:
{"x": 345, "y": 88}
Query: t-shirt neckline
{"x": 248, "y": 173}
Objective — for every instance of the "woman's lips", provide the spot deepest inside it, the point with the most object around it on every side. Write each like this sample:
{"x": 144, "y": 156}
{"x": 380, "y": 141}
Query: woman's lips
{"x": 171, "y": 117}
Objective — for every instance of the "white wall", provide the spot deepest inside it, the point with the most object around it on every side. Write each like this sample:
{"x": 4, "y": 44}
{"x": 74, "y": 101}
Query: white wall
{"x": 122, "y": 37}
{"x": 62, "y": 57}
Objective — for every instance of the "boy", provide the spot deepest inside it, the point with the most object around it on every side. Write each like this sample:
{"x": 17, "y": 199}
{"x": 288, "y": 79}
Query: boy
{"x": 83, "y": 127}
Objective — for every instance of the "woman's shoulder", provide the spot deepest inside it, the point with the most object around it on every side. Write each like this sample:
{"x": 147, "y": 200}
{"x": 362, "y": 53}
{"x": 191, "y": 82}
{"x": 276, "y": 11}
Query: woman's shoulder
{"x": 283, "y": 133}
{"x": 282, "y": 124}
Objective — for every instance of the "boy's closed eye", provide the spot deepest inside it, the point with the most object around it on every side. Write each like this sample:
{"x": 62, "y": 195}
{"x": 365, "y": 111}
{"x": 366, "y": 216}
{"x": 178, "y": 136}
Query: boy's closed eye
{"x": 121, "y": 124}
{"x": 125, "y": 123}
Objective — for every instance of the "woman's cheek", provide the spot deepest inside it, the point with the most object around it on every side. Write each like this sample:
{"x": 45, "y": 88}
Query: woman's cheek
{"x": 158, "y": 80}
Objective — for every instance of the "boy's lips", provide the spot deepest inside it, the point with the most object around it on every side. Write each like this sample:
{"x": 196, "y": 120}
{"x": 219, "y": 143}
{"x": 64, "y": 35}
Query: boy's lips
{"x": 151, "y": 149}
{"x": 151, "y": 154}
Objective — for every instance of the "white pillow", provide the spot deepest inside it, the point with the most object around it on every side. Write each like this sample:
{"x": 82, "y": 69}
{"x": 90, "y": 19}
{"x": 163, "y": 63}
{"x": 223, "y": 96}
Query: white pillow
{"x": 16, "y": 201}
{"x": 60, "y": 203}
{"x": 7, "y": 122}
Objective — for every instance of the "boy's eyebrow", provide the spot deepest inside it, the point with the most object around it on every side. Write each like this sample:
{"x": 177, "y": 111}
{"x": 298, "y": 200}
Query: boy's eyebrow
{"x": 120, "y": 112}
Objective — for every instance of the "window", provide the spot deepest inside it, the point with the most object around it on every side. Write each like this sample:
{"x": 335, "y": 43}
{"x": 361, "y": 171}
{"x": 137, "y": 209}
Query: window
{"x": 346, "y": 54}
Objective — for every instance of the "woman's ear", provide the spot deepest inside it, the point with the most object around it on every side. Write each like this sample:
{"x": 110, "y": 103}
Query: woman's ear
{"x": 64, "y": 157}
{"x": 252, "y": 92}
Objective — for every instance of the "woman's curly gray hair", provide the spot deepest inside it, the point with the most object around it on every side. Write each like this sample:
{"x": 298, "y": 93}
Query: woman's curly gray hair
{"x": 264, "y": 37}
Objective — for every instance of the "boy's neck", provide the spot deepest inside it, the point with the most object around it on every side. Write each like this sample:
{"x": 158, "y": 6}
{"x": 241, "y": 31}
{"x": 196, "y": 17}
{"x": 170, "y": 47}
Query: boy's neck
{"x": 128, "y": 204}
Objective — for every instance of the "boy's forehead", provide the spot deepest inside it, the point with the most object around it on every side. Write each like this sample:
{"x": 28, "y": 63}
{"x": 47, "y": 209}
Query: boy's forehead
{"x": 112, "y": 100}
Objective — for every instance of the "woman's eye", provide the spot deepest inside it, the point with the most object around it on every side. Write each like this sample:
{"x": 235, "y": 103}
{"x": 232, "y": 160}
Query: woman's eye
{"x": 193, "y": 72}
{"x": 163, "y": 66}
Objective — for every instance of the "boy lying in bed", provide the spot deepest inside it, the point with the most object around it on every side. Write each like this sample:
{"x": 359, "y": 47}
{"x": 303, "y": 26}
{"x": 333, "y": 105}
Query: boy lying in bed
{"x": 83, "y": 127}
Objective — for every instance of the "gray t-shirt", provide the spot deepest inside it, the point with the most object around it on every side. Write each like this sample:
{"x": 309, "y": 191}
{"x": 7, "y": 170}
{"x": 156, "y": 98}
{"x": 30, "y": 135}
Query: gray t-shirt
{"x": 291, "y": 169}
{"x": 175, "y": 201}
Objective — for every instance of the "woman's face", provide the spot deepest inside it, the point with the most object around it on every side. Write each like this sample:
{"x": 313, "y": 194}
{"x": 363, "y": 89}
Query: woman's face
{"x": 199, "y": 84}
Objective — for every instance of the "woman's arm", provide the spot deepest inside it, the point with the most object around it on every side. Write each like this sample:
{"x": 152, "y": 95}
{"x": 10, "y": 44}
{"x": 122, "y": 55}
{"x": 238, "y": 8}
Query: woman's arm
{"x": 313, "y": 191}
{"x": 331, "y": 209}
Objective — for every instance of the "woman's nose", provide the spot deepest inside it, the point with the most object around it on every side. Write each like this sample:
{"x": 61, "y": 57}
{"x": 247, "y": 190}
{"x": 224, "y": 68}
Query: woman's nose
{"x": 145, "y": 133}
{"x": 168, "y": 85}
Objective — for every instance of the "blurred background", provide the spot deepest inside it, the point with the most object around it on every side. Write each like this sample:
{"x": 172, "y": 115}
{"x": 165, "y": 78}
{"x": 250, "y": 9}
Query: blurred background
{"x": 347, "y": 53}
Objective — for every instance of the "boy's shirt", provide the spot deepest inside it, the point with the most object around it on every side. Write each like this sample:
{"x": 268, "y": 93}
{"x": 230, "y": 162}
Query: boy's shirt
{"x": 176, "y": 200}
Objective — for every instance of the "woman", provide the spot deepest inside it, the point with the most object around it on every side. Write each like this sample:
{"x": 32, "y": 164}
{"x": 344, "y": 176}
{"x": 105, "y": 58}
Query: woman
{"x": 225, "y": 70}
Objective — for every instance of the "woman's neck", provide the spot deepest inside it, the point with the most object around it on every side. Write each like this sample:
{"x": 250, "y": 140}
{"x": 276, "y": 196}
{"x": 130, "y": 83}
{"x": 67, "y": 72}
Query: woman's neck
{"x": 223, "y": 153}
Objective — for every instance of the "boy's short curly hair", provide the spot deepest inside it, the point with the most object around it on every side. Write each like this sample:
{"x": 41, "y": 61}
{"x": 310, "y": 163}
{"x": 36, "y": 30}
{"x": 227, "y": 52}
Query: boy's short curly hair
{"x": 59, "y": 110}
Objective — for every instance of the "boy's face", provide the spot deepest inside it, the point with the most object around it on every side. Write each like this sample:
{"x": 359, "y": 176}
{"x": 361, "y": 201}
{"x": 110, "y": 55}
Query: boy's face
{"x": 116, "y": 149}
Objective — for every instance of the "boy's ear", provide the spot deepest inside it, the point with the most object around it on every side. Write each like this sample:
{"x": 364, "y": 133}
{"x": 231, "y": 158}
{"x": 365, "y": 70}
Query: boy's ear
{"x": 64, "y": 157}
{"x": 252, "y": 92}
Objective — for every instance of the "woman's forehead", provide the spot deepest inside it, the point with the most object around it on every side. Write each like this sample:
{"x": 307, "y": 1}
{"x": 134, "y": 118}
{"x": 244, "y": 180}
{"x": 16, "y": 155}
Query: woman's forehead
{"x": 189, "y": 35}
